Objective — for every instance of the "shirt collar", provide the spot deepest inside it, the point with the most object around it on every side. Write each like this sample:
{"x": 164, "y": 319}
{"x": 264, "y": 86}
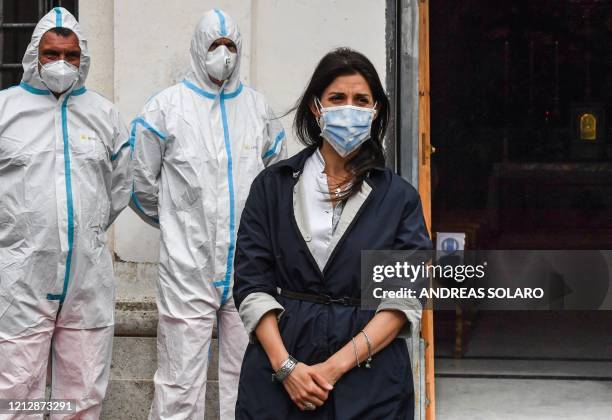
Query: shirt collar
{"x": 319, "y": 161}
{"x": 296, "y": 162}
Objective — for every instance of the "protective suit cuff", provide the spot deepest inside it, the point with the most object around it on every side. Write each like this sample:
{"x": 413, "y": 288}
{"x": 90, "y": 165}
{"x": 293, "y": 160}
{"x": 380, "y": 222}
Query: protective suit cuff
{"x": 411, "y": 308}
{"x": 140, "y": 211}
{"x": 254, "y": 307}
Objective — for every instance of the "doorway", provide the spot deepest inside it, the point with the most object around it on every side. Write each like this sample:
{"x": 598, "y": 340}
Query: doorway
{"x": 520, "y": 103}
{"x": 515, "y": 87}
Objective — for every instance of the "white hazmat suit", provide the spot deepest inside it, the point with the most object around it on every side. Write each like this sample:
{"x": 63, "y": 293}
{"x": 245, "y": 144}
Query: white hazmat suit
{"x": 198, "y": 148}
{"x": 65, "y": 174}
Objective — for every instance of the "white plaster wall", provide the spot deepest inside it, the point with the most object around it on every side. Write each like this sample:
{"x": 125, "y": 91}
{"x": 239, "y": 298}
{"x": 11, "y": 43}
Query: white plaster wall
{"x": 141, "y": 47}
{"x": 291, "y": 36}
{"x": 96, "y": 18}
{"x": 152, "y": 39}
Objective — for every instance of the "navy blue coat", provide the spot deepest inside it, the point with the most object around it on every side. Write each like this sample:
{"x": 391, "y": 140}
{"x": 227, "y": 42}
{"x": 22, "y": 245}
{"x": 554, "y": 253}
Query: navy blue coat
{"x": 271, "y": 253}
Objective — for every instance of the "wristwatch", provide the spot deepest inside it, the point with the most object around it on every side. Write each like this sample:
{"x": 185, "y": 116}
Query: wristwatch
{"x": 285, "y": 369}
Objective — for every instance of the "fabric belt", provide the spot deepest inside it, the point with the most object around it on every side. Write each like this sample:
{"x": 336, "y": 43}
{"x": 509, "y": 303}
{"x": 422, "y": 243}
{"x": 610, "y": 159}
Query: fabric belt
{"x": 321, "y": 299}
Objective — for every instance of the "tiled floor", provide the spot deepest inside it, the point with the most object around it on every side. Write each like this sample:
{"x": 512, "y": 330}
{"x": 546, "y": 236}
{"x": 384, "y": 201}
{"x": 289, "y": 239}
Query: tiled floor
{"x": 514, "y": 399}
{"x": 520, "y": 365}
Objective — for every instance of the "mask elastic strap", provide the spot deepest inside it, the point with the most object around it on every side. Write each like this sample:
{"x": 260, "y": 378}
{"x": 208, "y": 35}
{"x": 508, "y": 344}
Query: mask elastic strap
{"x": 318, "y": 105}
{"x": 374, "y": 110}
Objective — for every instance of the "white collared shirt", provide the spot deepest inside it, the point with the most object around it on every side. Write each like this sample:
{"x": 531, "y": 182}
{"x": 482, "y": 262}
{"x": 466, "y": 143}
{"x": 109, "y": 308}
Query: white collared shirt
{"x": 320, "y": 212}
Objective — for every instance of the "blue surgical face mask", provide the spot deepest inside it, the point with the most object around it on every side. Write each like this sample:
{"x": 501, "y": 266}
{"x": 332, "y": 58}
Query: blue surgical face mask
{"x": 345, "y": 127}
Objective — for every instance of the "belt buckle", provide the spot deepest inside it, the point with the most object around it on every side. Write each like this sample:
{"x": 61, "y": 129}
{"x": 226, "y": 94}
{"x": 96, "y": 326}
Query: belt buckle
{"x": 329, "y": 300}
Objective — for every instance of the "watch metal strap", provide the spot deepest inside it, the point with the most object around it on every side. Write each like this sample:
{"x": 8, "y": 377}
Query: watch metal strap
{"x": 285, "y": 369}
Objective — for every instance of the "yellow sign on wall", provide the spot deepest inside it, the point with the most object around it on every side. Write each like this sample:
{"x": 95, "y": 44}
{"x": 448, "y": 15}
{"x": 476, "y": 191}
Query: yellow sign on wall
{"x": 588, "y": 127}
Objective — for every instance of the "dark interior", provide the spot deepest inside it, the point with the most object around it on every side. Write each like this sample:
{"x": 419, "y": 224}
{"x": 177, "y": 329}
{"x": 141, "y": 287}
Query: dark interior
{"x": 520, "y": 95}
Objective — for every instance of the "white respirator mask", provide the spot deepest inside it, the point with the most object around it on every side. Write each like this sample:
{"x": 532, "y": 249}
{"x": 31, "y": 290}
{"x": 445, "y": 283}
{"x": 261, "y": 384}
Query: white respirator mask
{"x": 220, "y": 63}
{"x": 58, "y": 76}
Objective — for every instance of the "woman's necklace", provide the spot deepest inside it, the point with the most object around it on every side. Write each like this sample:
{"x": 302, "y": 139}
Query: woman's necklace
{"x": 338, "y": 182}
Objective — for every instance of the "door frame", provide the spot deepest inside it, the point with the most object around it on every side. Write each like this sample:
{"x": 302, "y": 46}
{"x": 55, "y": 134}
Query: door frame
{"x": 424, "y": 182}
{"x": 408, "y": 147}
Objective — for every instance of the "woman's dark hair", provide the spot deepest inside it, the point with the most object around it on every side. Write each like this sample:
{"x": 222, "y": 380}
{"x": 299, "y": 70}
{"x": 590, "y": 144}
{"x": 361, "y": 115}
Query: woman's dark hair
{"x": 345, "y": 62}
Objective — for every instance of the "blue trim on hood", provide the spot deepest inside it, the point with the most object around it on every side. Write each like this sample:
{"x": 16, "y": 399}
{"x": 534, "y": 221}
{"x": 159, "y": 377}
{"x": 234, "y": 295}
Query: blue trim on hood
{"x": 34, "y": 90}
{"x": 210, "y": 95}
{"x": 223, "y": 31}
{"x": 58, "y": 17}
{"x": 233, "y": 94}
{"x": 79, "y": 91}
{"x": 199, "y": 90}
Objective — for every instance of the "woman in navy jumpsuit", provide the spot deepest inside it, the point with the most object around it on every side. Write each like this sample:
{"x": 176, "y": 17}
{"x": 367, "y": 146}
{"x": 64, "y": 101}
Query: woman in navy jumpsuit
{"x": 319, "y": 319}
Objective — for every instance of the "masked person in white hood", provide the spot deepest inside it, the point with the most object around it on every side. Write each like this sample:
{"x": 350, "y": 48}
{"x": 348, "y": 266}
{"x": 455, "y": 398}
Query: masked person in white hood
{"x": 199, "y": 145}
{"x": 65, "y": 172}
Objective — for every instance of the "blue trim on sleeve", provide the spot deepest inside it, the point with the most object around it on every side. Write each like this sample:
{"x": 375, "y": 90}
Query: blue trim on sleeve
{"x": 198, "y": 90}
{"x": 139, "y": 207}
{"x": 132, "y": 139}
{"x": 273, "y": 151}
{"x": 33, "y": 90}
{"x": 223, "y": 30}
{"x": 132, "y": 143}
{"x": 123, "y": 146}
{"x": 145, "y": 124}
{"x": 58, "y": 17}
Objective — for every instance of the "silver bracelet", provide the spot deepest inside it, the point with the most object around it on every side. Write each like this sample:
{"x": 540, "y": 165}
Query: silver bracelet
{"x": 356, "y": 355}
{"x": 286, "y": 368}
{"x": 369, "y": 359}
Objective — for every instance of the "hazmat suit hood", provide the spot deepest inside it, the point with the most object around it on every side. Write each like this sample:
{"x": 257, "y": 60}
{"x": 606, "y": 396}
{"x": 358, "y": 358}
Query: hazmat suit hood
{"x": 58, "y": 17}
{"x": 214, "y": 24}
